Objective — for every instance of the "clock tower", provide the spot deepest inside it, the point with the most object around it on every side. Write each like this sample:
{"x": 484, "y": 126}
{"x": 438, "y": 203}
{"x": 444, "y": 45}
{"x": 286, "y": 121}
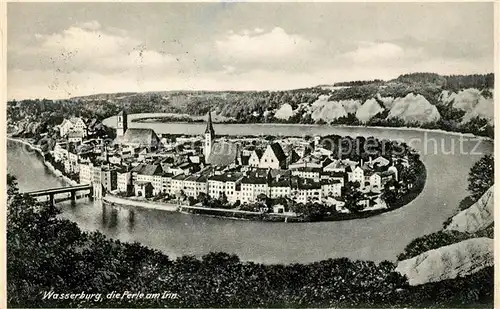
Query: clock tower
{"x": 121, "y": 123}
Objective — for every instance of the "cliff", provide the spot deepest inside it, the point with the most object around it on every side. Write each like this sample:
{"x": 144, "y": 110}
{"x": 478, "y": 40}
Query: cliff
{"x": 284, "y": 112}
{"x": 457, "y": 260}
{"x": 472, "y": 102}
{"x": 369, "y": 109}
{"x": 327, "y": 110}
{"x": 476, "y": 217}
{"x": 414, "y": 108}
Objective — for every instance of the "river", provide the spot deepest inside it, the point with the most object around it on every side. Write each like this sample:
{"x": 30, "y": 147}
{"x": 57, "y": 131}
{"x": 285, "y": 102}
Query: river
{"x": 376, "y": 238}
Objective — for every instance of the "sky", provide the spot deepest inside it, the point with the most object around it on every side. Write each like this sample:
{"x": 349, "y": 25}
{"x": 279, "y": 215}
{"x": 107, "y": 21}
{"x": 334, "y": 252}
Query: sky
{"x": 61, "y": 50}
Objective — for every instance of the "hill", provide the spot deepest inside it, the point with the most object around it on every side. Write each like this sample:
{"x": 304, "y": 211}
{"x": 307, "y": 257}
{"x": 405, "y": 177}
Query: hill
{"x": 426, "y": 100}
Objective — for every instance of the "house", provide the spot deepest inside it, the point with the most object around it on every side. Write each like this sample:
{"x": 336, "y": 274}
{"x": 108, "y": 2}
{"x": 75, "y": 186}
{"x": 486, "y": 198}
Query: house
{"x": 380, "y": 161}
{"x": 255, "y": 156}
{"x": 292, "y": 157}
{"x": 278, "y": 209}
{"x": 115, "y": 159}
{"x": 151, "y": 173}
{"x": 124, "y": 180}
{"x": 375, "y": 181}
{"x": 336, "y": 166}
{"x": 280, "y": 187}
{"x": 143, "y": 188}
{"x": 60, "y": 151}
{"x": 307, "y": 172}
{"x": 75, "y": 136}
{"x": 356, "y": 175}
{"x": 85, "y": 173}
{"x": 75, "y": 124}
{"x": 109, "y": 179}
{"x": 251, "y": 187}
{"x": 71, "y": 162}
{"x": 104, "y": 179}
{"x": 305, "y": 191}
{"x": 273, "y": 157}
{"x": 177, "y": 184}
{"x": 387, "y": 176}
{"x": 228, "y": 184}
{"x": 195, "y": 184}
{"x": 331, "y": 188}
{"x": 306, "y": 162}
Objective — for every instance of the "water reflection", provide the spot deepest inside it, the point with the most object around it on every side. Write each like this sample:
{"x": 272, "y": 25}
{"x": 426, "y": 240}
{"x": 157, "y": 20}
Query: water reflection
{"x": 131, "y": 220}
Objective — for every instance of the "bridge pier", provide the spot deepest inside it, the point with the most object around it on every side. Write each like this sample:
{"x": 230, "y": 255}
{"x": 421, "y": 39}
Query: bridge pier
{"x": 91, "y": 193}
{"x": 73, "y": 196}
{"x": 51, "y": 199}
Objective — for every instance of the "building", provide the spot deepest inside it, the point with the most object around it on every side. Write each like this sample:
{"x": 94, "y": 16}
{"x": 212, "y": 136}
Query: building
{"x": 121, "y": 123}
{"x": 307, "y": 172}
{"x": 331, "y": 188}
{"x": 124, "y": 180}
{"x": 195, "y": 184}
{"x": 228, "y": 184}
{"x": 86, "y": 173}
{"x": 209, "y": 137}
{"x": 75, "y": 136}
{"x": 224, "y": 154}
{"x": 109, "y": 178}
{"x": 143, "y": 188}
{"x": 138, "y": 138}
{"x": 273, "y": 157}
{"x": 357, "y": 175}
{"x": 255, "y": 157}
{"x": 177, "y": 184}
{"x": 60, "y": 151}
{"x": 306, "y": 191}
{"x": 252, "y": 187}
{"x": 151, "y": 173}
{"x": 104, "y": 179}
{"x": 71, "y": 164}
{"x": 74, "y": 124}
{"x": 279, "y": 188}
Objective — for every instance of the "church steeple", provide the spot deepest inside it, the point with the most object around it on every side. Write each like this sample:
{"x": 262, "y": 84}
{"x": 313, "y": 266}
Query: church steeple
{"x": 210, "y": 127}
{"x": 121, "y": 123}
{"x": 209, "y": 136}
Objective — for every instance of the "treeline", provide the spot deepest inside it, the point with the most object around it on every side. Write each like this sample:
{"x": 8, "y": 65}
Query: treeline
{"x": 449, "y": 82}
{"x": 46, "y": 253}
{"x": 359, "y": 83}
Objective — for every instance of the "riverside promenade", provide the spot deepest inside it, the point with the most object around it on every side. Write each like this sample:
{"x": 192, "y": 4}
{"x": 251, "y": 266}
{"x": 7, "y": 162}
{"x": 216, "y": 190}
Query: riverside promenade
{"x": 113, "y": 199}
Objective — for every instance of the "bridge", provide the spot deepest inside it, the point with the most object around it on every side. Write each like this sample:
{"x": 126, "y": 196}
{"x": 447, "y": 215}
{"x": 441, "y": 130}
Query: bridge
{"x": 53, "y": 191}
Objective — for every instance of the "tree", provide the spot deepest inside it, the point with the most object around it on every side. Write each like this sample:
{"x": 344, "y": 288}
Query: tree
{"x": 390, "y": 193}
{"x": 352, "y": 197}
{"x": 481, "y": 177}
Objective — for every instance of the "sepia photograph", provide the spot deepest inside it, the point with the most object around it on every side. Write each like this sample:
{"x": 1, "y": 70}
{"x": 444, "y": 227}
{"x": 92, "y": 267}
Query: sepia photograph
{"x": 249, "y": 154}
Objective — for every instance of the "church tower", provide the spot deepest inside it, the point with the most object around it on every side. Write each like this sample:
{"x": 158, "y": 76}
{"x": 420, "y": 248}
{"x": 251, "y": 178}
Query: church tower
{"x": 209, "y": 137}
{"x": 121, "y": 123}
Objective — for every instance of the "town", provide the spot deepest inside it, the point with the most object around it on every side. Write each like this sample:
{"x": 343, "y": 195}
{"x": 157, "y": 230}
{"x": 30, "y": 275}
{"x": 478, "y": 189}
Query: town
{"x": 285, "y": 175}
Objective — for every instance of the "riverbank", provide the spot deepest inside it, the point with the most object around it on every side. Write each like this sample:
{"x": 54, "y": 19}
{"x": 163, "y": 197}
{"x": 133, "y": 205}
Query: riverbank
{"x": 49, "y": 166}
